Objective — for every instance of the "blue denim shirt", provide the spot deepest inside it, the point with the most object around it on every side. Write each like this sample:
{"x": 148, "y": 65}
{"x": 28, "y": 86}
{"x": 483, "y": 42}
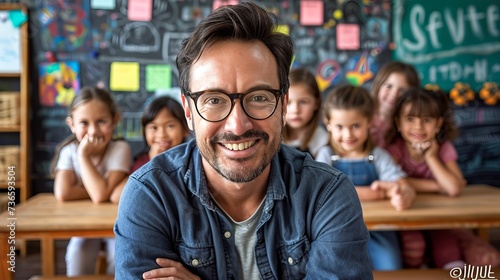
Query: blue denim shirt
{"x": 311, "y": 227}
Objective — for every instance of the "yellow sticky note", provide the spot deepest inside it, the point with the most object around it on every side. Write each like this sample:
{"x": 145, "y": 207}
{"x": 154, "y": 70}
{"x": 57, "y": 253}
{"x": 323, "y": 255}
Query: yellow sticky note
{"x": 124, "y": 76}
{"x": 283, "y": 28}
{"x": 158, "y": 76}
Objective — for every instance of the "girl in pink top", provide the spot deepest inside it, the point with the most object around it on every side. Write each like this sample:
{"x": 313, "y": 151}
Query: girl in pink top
{"x": 391, "y": 80}
{"x": 419, "y": 139}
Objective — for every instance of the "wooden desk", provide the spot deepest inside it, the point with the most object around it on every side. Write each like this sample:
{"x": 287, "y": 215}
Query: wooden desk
{"x": 477, "y": 207}
{"x": 42, "y": 217}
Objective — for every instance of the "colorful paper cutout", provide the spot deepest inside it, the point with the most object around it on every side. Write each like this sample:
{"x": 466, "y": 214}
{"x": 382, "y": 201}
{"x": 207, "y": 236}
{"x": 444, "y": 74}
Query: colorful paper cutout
{"x": 65, "y": 25}
{"x": 58, "y": 83}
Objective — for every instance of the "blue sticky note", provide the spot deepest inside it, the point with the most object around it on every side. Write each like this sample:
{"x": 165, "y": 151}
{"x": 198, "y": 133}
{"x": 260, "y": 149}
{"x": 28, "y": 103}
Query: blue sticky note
{"x": 103, "y": 4}
{"x": 17, "y": 17}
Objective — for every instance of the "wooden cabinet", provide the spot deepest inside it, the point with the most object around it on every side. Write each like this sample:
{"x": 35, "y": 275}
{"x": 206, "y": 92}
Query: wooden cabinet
{"x": 14, "y": 101}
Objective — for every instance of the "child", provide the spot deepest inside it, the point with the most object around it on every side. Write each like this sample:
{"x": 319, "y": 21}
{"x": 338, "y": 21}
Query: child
{"x": 419, "y": 140}
{"x": 164, "y": 126}
{"x": 393, "y": 78}
{"x": 303, "y": 129}
{"x": 89, "y": 164}
{"x": 348, "y": 111}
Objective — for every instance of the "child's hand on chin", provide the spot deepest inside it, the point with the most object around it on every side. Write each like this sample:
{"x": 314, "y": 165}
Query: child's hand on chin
{"x": 89, "y": 145}
{"x": 421, "y": 147}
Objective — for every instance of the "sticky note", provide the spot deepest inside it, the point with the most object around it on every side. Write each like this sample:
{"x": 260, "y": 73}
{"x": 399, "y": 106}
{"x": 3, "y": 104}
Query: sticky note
{"x": 158, "y": 76}
{"x": 347, "y": 36}
{"x": 311, "y": 12}
{"x": 103, "y": 4}
{"x": 283, "y": 28}
{"x": 140, "y": 10}
{"x": 219, "y": 3}
{"x": 17, "y": 17}
{"x": 124, "y": 76}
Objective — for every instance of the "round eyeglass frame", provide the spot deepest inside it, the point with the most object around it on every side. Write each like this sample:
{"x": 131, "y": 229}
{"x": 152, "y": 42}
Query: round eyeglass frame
{"x": 232, "y": 96}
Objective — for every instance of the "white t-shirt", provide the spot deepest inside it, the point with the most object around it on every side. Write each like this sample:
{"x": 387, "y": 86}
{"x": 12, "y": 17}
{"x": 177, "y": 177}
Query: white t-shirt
{"x": 118, "y": 157}
{"x": 319, "y": 139}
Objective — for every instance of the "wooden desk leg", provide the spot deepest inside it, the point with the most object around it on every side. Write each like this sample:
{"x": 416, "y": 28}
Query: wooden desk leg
{"x": 484, "y": 234}
{"x": 5, "y": 273}
{"x": 48, "y": 256}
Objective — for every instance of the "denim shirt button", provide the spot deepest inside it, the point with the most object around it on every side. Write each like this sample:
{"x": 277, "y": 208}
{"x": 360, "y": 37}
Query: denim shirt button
{"x": 290, "y": 260}
{"x": 227, "y": 234}
{"x": 195, "y": 262}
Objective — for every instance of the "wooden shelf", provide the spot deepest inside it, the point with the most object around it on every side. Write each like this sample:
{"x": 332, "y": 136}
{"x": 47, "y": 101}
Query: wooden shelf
{"x": 23, "y": 167}
{"x": 10, "y": 75}
{"x": 10, "y": 128}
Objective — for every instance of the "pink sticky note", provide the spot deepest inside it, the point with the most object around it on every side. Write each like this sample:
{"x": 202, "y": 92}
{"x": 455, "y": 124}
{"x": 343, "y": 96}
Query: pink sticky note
{"x": 140, "y": 10}
{"x": 311, "y": 12}
{"x": 347, "y": 36}
{"x": 219, "y": 3}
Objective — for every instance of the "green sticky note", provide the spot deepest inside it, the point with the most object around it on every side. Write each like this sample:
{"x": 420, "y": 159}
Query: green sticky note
{"x": 158, "y": 76}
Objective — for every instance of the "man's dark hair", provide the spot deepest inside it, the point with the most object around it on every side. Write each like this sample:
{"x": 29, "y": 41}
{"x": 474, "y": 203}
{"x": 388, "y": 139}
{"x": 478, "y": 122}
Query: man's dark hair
{"x": 247, "y": 22}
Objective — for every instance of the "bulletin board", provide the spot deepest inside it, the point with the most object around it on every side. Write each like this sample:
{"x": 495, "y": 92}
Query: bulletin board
{"x": 129, "y": 47}
{"x": 10, "y": 44}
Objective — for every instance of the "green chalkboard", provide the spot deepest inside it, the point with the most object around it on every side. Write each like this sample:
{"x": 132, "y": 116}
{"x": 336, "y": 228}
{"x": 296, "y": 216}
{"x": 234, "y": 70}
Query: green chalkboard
{"x": 449, "y": 41}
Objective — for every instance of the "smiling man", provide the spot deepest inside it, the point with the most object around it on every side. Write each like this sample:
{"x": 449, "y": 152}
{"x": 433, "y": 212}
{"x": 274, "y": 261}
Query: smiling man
{"x": 234, "y": 203}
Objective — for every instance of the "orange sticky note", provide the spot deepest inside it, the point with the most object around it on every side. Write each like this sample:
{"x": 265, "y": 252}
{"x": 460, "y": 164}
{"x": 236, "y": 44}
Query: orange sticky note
{"x": 311, "y": 12}
{"x": 347, "y": 36}
{"x": 140, "y": 10}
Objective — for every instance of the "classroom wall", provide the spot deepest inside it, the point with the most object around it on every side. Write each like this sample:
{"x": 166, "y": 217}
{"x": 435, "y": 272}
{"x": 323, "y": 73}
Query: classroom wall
{"x": 132, "y": 51}
{"x": 129, "y": 47}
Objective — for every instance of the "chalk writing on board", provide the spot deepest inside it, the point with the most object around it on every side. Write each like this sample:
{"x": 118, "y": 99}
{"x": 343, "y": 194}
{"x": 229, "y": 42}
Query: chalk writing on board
{"x": 449, "y": 42}
{"x": 130, "y": 126}
{"x": 50, "y": 125}
{"x": 140, "y": 37}
{"x": 130, "y": 101}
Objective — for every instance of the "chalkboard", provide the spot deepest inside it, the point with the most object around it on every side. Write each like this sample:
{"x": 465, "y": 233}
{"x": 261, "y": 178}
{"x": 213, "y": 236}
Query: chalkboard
{"x": 100, "y": 36}
{"x": 479, "y": 142}
{"x": 449, "y": 41}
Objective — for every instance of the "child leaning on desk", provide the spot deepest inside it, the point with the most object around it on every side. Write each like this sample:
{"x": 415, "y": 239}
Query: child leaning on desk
{"x": 163, "y": 126}
{"x": 90, "y": 164}
{"x": 348, "y": 112}
{"x": 419, "y": 139}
